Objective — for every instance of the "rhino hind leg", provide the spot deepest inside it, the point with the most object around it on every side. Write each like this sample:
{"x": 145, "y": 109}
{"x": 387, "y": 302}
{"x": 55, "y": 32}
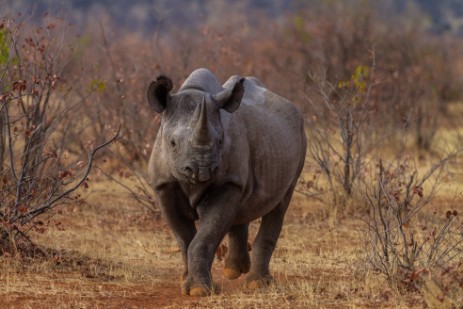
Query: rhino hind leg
{"x": 264, "y": 244}
{"x": 237, "y": 261}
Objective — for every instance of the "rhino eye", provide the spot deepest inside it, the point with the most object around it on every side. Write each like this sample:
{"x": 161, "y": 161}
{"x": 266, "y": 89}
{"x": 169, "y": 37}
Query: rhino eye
{"x": 220, "y": 142}
{"x": 172, "y": 143}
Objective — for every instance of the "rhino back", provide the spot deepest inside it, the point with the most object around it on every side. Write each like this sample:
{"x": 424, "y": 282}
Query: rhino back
{"x": 202, "y": 79}
{"x": 265, "y": 111}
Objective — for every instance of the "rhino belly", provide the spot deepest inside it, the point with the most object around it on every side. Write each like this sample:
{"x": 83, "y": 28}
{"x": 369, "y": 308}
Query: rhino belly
{"x": 265, "y": 195}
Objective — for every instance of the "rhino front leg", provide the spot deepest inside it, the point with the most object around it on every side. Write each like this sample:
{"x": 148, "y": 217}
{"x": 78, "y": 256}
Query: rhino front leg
{"x": 237, "y": 261}
{"x": 216, "y": 212}
{"x": 176, "y": 210}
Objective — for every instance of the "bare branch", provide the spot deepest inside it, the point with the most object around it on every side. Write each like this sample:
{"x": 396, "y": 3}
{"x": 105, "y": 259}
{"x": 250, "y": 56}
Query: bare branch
{"x": 51, "y": 202}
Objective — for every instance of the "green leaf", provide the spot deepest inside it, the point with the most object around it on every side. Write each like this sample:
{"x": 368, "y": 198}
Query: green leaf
{"x": 98, "y": 85}
{"x": 4, "y": 47}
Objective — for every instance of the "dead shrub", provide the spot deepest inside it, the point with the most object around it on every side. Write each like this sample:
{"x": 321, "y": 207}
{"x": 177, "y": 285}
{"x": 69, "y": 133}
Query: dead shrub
{"x": 340, "y": 131}
{"x": 38, "y": 108}
{"x": 405, "y": 240}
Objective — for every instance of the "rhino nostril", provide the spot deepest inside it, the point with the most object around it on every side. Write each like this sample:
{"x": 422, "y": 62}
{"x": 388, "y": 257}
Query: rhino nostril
{"x": 188, "y": 170}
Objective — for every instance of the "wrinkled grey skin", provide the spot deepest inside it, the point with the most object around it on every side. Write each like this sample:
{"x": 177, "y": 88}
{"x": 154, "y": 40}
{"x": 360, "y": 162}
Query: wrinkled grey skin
{"x": 224, "y": 155}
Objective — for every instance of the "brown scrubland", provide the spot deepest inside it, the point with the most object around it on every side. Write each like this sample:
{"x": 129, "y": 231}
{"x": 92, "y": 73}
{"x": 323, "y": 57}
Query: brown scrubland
{"x": 377, "y": 217}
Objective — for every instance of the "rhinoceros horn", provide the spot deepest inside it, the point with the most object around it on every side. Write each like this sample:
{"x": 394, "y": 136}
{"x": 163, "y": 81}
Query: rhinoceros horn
{"x": 201, "y": 132}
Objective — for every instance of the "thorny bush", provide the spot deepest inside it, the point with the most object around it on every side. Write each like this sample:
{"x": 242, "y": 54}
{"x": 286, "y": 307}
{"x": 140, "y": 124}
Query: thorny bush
{"x": 405, "y": 239}
{"x": 41, "y": 166}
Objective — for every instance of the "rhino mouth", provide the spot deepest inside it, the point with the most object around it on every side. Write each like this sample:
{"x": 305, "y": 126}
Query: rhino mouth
{"x": 199, "y": 174}
{"x": 204, "y": 174}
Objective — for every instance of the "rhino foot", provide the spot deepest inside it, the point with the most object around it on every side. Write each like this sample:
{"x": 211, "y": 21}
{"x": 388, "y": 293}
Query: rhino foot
{"x": 235, "y": 266}
{"x": 204, "y": 291}
{"x": 254, "y": 282}
{"x": 199, "y": 290}
{"x": 231, "y": 273}
{"x": 234, "y": 271}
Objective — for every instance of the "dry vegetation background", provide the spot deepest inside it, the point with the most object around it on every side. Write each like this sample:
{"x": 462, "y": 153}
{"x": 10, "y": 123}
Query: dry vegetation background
{"x": 377, "y": 217}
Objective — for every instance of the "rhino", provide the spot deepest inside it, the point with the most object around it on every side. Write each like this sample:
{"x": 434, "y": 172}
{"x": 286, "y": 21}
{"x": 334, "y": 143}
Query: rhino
{"x": 224, "y": 155}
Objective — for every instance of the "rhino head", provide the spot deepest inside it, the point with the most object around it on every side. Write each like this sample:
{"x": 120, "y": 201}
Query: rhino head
{"x": 191, "y": 130}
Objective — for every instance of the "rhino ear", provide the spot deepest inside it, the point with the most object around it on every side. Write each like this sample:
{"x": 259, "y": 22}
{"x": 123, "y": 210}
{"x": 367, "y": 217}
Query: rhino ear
{"x": 158, "y": 93}
{"x": 230, "y": 99}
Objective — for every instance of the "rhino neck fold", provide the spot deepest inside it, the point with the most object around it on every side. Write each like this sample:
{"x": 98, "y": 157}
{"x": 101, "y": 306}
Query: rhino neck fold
{"x": 201, "y": 135}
